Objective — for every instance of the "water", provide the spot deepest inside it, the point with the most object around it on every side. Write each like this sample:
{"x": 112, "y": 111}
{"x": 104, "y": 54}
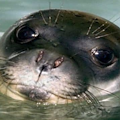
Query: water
{"x": 12, "y": 10}
{"x": 18, "y": 110}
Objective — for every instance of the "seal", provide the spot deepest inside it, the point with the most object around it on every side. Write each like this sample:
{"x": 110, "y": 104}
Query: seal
{"x": 61, "y": 56}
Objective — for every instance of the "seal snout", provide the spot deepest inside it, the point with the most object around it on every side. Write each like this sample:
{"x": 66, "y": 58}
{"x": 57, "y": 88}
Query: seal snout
{"x": 37, "y": 73}
{"x": 45, "y": 64}
{"x": 74, "y": 58}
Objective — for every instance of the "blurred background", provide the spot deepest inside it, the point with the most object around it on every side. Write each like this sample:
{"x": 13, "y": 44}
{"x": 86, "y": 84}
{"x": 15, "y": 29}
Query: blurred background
{"x": 12, "y": 10}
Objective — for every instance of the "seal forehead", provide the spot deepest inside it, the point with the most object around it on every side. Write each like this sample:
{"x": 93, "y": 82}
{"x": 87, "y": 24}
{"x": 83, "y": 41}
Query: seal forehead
{"x": 68, "y": 21}
{"x": 61, "y": 26}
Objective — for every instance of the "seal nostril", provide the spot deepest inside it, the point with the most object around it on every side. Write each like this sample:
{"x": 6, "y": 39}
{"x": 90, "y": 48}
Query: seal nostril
{"x": 44, "y": 68}
{"x": 40, "y": 55}
{"x": 58, "y": 62}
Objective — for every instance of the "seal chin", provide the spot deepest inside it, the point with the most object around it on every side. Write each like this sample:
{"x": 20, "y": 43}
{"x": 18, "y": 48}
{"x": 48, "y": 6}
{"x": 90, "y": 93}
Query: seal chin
{"x": 42, "y": 76}
{"x": 44, "y": 96}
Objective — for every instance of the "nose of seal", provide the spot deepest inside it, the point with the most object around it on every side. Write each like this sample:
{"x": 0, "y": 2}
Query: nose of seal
{"x": 44, "y": 65}
{"x": 47, "y": 66}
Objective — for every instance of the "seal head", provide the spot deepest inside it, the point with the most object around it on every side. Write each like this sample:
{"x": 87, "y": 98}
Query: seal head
{"x": 59, "y": 56}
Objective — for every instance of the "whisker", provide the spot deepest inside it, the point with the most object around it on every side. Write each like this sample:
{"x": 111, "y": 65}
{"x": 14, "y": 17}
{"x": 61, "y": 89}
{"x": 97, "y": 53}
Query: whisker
{"x": 11, "y": 57}
{"x": 72, "y": 108}
{"x": 3, "y": 59}
{"x": 58, "y": 14}
{"x": 81, "y": 103}
{"x": 6, "y": 60}
{"x": 99, "y": 27}
{"x": 91, "y": 101}
{"x": 86, "y": 100}
{"x": 93, "y": 98}
{"x": 43, "y": 17}
{"x": 81, "y": 100}
{"x": 4, "y": 74}
{"x": 105, "y": 24}
{"x": 113, "y": 16}
{"x": 116, "y": 19}
{"x": 57, "y": 17}
{"x": 15, "y": 54}
{"x": 101, "y": 36}
{"x": 103, "y": 30}
{"x": 105, "y": 91}
{"x": 70, "y": 97}
{"x": 2, "y": 68}
{"x": 97, "y": 88}
{"x": 90, "y": 27}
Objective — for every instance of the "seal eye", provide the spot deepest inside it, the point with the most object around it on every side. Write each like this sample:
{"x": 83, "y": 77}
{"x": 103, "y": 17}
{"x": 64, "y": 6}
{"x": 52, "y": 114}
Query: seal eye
{"x": 103, "y": 56}
{"x": 26, "y": 34}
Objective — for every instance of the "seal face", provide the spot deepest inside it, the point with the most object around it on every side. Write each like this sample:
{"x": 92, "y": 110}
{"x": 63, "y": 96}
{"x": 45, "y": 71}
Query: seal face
{"x": 60, "y": 56}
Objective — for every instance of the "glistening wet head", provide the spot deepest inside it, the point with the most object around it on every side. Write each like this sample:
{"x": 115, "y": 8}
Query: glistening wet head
{"x": 72, "y": 57}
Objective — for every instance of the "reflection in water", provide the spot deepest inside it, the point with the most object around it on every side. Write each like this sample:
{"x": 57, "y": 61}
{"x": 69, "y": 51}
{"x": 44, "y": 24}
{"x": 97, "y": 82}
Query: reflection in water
{"x": 29, "y": 111}
{"x": 18, "y": 110}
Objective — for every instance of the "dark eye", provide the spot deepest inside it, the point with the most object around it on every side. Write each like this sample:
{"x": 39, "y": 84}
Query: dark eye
{"x": 103, "y": 56}
{"x": 26, "y": 34}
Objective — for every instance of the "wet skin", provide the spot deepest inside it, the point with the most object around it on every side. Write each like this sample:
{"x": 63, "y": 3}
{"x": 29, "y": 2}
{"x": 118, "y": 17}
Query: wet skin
{"x": 60, "y": 56}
